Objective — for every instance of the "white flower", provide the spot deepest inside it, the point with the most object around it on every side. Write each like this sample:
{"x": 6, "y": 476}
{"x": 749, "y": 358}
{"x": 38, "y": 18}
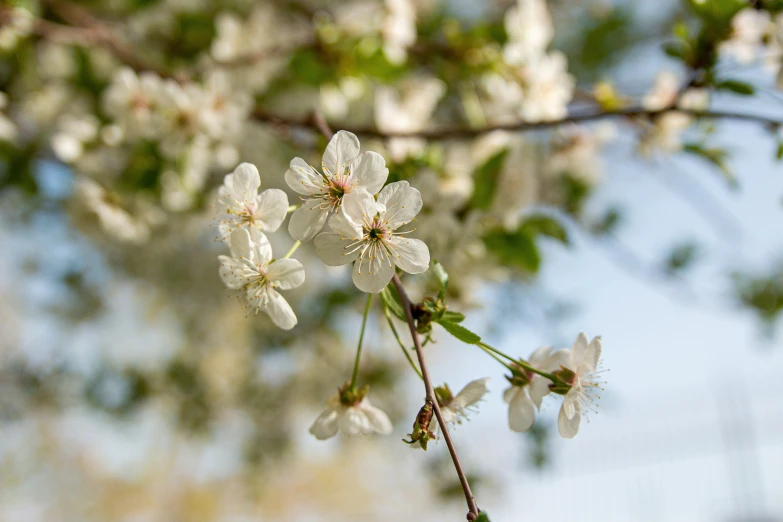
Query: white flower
{"x": 359, "y": 418}
{"x": 364, "y": 232}
{"x": 749, "y": 28}
{"x": 548, "y": 88}
{"x": 663, "y": 93}
{"x": 455, "y": 408}
{"x": 344, "y": 170}
{"x": 114, "y": 219}
{"x": 529, "y": 29}
{"x": 399, "y": 30}
{"x": 135, "y": 103}
{"x": 408, "y": 108}
{"x": 528, "y": 389}
{"x": 582, "y": 361}
{"x": 240, "y": 204}
{"x": 250, "y": 268}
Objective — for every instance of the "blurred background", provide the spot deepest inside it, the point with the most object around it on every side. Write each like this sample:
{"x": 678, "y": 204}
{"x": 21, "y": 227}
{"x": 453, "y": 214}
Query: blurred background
{"x": 133, "y": 385}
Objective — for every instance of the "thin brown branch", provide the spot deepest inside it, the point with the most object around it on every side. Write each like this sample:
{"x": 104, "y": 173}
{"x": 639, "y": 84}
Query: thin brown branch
{"x": 406, "y": 304}
{"x": 467, "y": 132}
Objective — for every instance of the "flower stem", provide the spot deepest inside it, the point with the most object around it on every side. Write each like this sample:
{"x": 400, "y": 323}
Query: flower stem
{"x": 292, "y": 208}
{"x": 473, "y": 512}
{"x": 402, "y": 345}
{"x": 292, "y": 250}
{"x": 524, "y": 364}
{"x": 494, "y": 356}
{"x": 355, "y": 374}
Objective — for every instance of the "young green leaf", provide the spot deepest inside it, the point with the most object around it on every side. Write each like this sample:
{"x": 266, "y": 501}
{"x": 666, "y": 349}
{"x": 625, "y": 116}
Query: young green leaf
{"x": 443, "y": 277}
{"x": 460, "y": 332}
{"x": 516, "y": 249}
{"x": 454, "y": 317}
{"x": 737, "y": 87}
{"x": 392, "y": 301}
{"x": 487, "y": 180}
{"x": 483, "y": 517}
{"x": 540, "y": 224}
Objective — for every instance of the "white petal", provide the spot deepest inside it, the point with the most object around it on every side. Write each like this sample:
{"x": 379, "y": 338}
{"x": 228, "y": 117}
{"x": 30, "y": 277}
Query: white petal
{"x": 246, "y": 181}
{"x": 540, "y": 355}
{"x": 286, "y": 273}
{"x": 334, "y": 249}
{"x": 570, "y": 403}
{"x": 579, "y": 350}
{"x": 510, "y": 393}
{"x": 568, "y": 427}
{"x": 341, "y": 225}
{"x": 325, "y": 426}
{"x": 449, "y": 416}
{"x": 472, "y": 393}
{"x": 272, "y": 209}
{"x": 262, "y": 249}
{"x": 592, "y": 356}
{"x": 377, "y": 418}
{"x": 412, "y": 255}
{"x": 358, "y": 206}
{"x": 354, "y": 422}
{"x": 373, "y": 274}
{"x": 303, "y": 179}
{"x": 538, "y": 389}
{"x": 242, "y": 245}
{"x": 402, "y": 203}
{"x": 369, "y": 171}
{"x": 234, "y": 272}
{"x": 521, "y": 413}
{"x": 341, "y": 150}
{"x": 279, "y": 310}
{"x": 307, "y": 220}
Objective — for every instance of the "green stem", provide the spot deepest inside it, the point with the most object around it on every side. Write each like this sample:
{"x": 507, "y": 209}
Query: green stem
{"x": 292, "y": 208}
{"x": 361, "y": 339}
{"x": 399, "y": 341}
{"x": 492, "y": 354}
{"x": 293, "y": 249}
{"x": 524, "y": 364}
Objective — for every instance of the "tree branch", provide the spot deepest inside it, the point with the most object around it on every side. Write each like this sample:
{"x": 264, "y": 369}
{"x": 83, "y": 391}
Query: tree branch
{"x": 406, "y": 304}
{"x": 467, "y": 132}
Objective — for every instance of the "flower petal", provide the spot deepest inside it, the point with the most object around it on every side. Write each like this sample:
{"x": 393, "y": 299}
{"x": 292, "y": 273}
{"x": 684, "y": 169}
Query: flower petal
{"x": 272, "y": 208}
{"x": 372, "y": 274}
{"x": 286, "y": 273}
{"x": 579, "y": 350}
{"x": 334, "y": 249}
{"x": 571, "y": 403}
{"x": 242, "y": 245}
{"x": 304, "y": 179}
{"x": 472, "y": 393}
{"x": 568, "y": 427}
{"x": 510, "y": 393}
{"x": 246, "y": 181}
{"x": 325, "y": 426}
{"x": 538, "y": 389}
{"x": 412, "y": 255}
{"x": 279, "y": 310}
{"x": 341, "y": 150}
{"x": 521, "y": 412}
{"x": 402, "y": 203}
{"x": 378, "y": 420}
{"x": 262, "y": 249}
{"x": 354, "y": 422}
{"x": 307, "y": 220}
{"x": 345, "y": 228}
{"x": 358, "y": 207}
{"x": 539, "y": 356}
{"x": 369, "y": 171}
{"x": 234, "y": 273}
{"x": 592, "y": 356}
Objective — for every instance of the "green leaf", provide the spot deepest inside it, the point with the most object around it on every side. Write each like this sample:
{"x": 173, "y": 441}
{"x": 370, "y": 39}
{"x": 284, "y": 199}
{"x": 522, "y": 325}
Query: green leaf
{"x": 443, "y": 277}
{"x": 487, "y": 180}
{"x": 516, "y": 249}
{"x": 392, "y": 301}
{"x": 716, "y": 157}
{"x": 737, "y": 87}
{"x": 454, "y": 317}
{"x": 545, "y": 225}
{"x": 483, "y": 517}
{"x": 779, "y": 152}
{"x": 460, "y": 332}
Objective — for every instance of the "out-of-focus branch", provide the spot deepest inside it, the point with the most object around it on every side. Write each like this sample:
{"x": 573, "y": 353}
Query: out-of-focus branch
{"x": 470, "y": 132}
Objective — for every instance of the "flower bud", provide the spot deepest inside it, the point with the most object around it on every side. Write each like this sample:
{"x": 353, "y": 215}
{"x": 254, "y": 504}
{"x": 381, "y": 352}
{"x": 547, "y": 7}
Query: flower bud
{"x": 421, "y": 427}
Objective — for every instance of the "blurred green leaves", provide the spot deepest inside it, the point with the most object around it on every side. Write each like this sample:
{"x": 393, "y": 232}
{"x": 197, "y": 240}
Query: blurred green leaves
{"x": 518, "y": 248}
